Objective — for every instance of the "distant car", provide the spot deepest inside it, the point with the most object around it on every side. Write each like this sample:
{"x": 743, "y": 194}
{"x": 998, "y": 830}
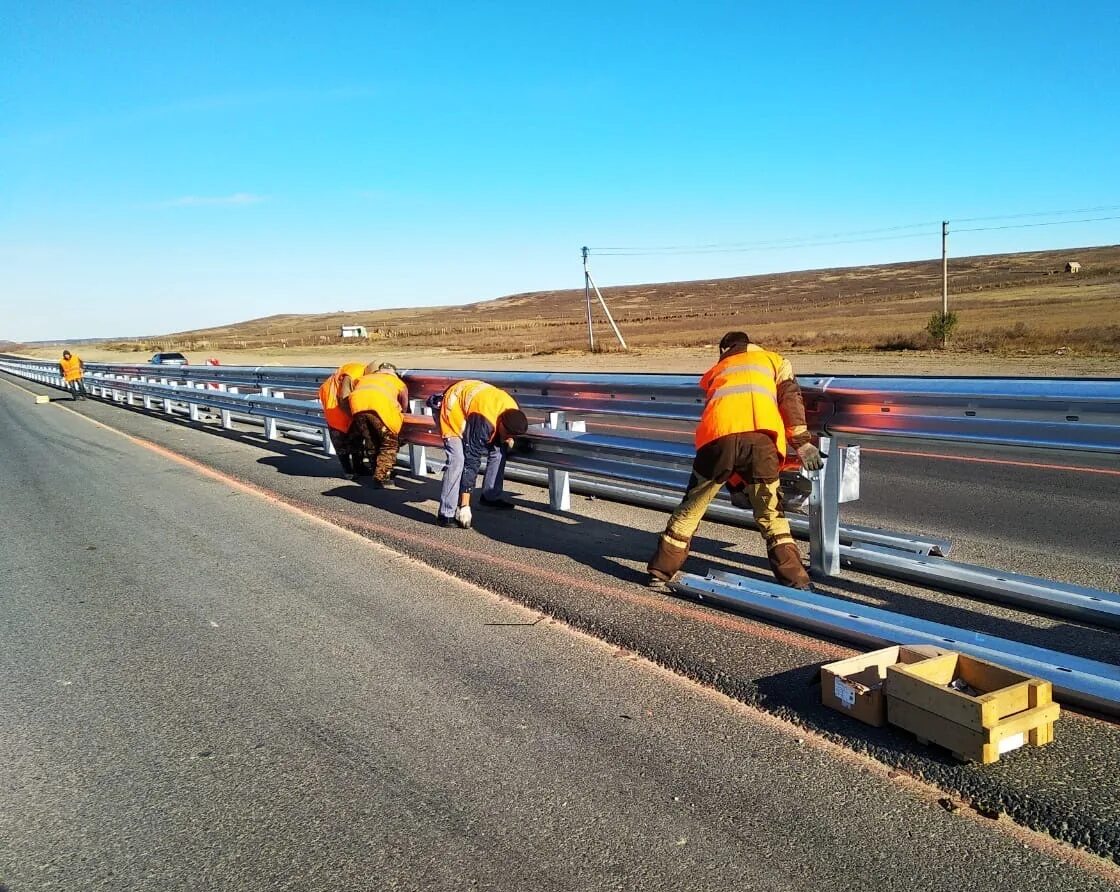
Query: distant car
{"x": 169, "y": 359}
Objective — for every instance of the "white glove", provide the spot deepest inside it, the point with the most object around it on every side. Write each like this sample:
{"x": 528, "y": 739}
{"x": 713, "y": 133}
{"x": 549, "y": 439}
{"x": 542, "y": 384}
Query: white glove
{"x": 463, "y": 517}
{"x": 740, "y": 499}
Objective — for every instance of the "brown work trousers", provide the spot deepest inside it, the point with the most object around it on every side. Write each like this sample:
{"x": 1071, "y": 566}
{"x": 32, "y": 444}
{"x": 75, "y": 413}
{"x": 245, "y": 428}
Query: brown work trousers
{"x": 380, "y": 442}
{"x": 351, "y": 451}
{"x": 754, "y": 457}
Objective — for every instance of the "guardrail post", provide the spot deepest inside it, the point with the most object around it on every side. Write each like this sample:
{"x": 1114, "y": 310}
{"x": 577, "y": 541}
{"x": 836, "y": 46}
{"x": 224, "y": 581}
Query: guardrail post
{"x": 560, "y": 482}
{"x": 227, "y": 416}
{"x": 192, "y": 407}
{"x": 147, "y": 400}
{"x": 824, "y": 513}
{"x": 271, "y": 432}
{"x": 418, "y": 455}
{"x": 167, "y": 400}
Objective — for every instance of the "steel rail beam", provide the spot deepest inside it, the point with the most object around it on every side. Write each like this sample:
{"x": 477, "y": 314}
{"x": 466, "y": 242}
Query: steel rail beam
{"x": 1087, "y": 605}
{"x": 1048, "y": 413}
{"x": 1076, "y": 680}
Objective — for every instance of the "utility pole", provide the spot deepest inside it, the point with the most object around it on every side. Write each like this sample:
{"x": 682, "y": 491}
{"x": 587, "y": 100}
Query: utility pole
{"x": 944, "y": 283}
{"x": 587, "y": 300}
{"x": 589, "y": 286}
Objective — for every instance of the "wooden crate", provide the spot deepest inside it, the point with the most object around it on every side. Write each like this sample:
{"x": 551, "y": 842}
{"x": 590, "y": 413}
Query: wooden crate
{"x": 1010, "y": 710}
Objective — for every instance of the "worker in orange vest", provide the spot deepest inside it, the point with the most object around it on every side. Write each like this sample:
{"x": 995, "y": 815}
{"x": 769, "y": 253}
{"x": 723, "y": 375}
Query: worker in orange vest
{"x": 476, "y": 419}
{"x": 334, "y": 394}
{"x": 754, "y": 410}
{"x": 378, "y": 401}
{"x": 71, "y": 368}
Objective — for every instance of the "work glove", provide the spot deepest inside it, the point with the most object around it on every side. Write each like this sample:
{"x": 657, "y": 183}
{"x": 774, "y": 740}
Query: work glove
{"x": 463, "y": 517}
{"x": 740, "y": 499}
{"x": 810, "y": 457}
{"x": 434, "y": 401}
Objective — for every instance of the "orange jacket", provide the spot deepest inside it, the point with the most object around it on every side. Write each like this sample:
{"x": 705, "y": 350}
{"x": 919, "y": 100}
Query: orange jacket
{"x": 750, "y": 390}
{"x": 334, "y": 406}
{"x": 380, "y": 392}
{"x": 71, "y": 368}
{"x": 471, "y": 398}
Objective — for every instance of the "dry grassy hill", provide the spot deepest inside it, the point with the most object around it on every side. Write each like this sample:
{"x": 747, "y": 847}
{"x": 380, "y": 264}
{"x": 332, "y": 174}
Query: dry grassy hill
{"x": 1009, "y": 302}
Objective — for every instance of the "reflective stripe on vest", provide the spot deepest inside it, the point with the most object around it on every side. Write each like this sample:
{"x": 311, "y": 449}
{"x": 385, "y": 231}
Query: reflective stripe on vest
{"x": 379, "y": 393}
{"x": 742, "y": 398}
{"x": 744, "y": 388}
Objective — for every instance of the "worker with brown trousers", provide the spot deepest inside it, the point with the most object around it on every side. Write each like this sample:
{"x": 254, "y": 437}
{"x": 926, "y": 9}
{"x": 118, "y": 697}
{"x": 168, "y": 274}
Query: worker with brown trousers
{"x": 377, "y": 403}
{"x": 754, "y": 409}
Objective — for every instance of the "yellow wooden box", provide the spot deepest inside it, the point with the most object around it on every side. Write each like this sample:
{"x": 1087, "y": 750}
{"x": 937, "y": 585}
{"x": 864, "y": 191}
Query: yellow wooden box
{"x": 1009, "y": 709}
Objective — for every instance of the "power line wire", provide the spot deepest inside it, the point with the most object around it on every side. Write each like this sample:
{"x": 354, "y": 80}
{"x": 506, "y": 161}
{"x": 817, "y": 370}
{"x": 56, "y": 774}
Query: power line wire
{"x": 842, "y": 238}
{"x": 683, "y": 251}
{"x": 773, "y": 241}
{"x": 1098, "y": 209}
{"x": 1029, "y": 225}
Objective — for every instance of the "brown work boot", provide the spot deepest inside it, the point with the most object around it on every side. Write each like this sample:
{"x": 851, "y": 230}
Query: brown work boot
{"x": 670, "y": 556}
{"x": 785, "y": 562}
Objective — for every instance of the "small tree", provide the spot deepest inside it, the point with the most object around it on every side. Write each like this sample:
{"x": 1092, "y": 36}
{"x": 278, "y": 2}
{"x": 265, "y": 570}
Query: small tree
{"x": 941, "y": 325}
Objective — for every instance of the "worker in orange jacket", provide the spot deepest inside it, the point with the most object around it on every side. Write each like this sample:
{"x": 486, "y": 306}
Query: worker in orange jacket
{"x": 334, "y": 395}
{"x": 476, "y": 419}
{"x": 377, "y": 402}
{"x": 754, "y": 410}
{"x": 72, "y": 369}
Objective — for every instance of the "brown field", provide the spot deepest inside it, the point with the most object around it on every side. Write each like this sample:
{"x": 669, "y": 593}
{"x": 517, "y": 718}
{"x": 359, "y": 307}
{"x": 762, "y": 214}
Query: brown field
{"x": 1019, "y": 313}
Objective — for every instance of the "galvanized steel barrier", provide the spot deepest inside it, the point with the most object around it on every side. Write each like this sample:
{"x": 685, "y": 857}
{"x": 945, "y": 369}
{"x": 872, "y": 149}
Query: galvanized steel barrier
{"x": 1040, "y": 413}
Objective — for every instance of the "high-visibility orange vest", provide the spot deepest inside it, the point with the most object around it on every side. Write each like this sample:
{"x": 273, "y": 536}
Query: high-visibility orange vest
{"x": 379, "y": 392}
{"x": 742, "y": 398}
{"x": 471, "y": 398}
{"x": 338, "y": 418}
{"x": 71, "y": 368}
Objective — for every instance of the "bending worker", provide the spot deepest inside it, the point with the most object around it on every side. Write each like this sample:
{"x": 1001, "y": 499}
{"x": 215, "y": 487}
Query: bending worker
{"x": 333, "y": 394}
{"x": 71, "y": 368}
{"x": 754, "y": 409}
{"x": 475, "y": 419}
{"x": 378, "y": 401}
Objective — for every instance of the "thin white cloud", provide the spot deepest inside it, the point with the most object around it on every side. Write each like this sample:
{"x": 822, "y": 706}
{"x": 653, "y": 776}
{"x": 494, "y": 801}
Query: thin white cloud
{"x": 194, "y": 201}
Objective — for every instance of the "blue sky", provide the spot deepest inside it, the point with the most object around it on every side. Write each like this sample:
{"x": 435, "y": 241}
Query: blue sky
{"x": 169, "y": 166}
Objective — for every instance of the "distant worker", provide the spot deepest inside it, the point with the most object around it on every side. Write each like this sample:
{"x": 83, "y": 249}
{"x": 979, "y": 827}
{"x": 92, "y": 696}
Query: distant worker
{"x": 333, "y": 394}
{"x": 754, "y": 409}
{"x": 475, "y": 419}
{"x": 378, "y": 401}
{"x": 72, "y": 368}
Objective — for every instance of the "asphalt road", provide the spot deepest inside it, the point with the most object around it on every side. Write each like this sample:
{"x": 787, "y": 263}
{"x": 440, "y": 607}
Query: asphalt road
{"x": 206, "y": 689}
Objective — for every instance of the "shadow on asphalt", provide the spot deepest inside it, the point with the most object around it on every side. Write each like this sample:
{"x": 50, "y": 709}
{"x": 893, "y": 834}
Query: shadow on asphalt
{"x": 606, "y": 547}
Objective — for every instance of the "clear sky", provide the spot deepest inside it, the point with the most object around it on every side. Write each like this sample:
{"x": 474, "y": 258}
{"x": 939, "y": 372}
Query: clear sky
{"x": 172, "y": 165}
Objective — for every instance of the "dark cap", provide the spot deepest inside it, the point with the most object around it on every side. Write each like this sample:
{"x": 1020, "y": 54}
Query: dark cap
{"x": 514, "y": 422}
{"x": 733, "y": 339}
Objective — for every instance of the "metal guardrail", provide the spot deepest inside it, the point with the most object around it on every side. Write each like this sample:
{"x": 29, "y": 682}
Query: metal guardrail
{"x": 1042, "y": 413}
{"x": 1087, "y": 683}
{"x": 652, "y": 471}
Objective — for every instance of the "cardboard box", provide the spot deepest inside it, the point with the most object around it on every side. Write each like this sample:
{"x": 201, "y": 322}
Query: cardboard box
{"x": 975, "y": 709}
{"x": 855, "y": 686}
